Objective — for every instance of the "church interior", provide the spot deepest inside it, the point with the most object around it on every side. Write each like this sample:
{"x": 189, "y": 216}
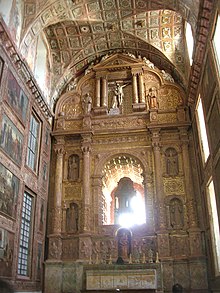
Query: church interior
{"x": 109, "y": 145}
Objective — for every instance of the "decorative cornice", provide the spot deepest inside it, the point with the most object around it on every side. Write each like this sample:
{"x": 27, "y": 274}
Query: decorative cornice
{"x": 202, "y": 36}
{"x": 22, "y": 68}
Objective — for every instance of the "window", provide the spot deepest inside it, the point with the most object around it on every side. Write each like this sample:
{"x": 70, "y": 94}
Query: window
{"x": 25, "y": 236}
{"x": 202, "y": 131}
{"x": 214, "y": 224}
{"x": 189, "y": 41}
{"x": 33, "y": 142}
{"x": 216, "y": 43}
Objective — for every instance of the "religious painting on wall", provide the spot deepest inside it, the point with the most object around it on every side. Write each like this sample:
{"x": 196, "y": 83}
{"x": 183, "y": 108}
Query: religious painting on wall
{"x": 9, "y": 187}
{"x": 16, "y": 97}
{"x": 6, "y": 254}
{"x": 11, "y": 140}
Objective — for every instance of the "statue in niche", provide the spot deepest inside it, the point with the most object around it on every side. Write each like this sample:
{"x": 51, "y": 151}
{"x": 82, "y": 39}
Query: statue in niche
{"x": 119, "y": 95}
{"x": 136, "y": 251}
{"x": 85, "y": 250}
{"x": 152, "y": 98}
{"x": 72, "y": 218}
{"x": 87, "y": 104}
{"x": 73, "y": 167}
{"x": 176, "y": 213}
{"x": 124, "y": 244}
{"x": 172, "y": 168}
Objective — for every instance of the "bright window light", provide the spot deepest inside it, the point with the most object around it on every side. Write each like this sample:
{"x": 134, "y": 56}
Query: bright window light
{"x": 189, "y": 41}
{"x": 202, "y": 131}
{"x": 40, "y": 71}
{"x": 137, "y": 215}
{"x": 5, "y": 9}
{"x": 213, "y": 213}
{"x": 216, "y": 42}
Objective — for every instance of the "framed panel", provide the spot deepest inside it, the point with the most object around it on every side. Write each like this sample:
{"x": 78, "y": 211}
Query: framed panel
{"x": 11, "y": 140}
{"x": 9, "y": 188}
{"x": 16, "y": 97}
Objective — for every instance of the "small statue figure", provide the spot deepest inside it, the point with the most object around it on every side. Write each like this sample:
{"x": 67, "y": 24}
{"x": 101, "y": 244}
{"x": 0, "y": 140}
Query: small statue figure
{"x": 152, "y": 98}
{"x": 150, "y": 255}
{"x": 72, "y": 85}
{"x": 72, "y": 218}
{"x": 73, "y": 167}
{"x": 176, "y": 213}
{"x": 119, "y": 93}
{"x": 167, "y": 76}
{"x": 148, "y": 63}
{"x": 87, "y": 103}
{"x": 89, "y": 68}
{"x": 172, "y": 168}
{"x": 157, "y": 258}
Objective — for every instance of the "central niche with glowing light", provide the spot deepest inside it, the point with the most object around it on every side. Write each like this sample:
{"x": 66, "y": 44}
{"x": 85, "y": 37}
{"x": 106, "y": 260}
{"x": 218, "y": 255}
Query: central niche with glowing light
{"x": 124, "y": 196}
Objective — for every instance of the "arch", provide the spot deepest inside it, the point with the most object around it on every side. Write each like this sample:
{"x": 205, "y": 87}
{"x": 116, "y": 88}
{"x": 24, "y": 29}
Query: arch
{"x": 104, "y": 159}
{"x": 116, "y": 167}
{"x": 150, "y": 52}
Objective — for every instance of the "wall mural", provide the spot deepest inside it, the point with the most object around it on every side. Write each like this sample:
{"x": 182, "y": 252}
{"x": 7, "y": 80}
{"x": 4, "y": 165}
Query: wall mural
{"x": 11, "y": 140}
{"x": 9, "y": 187}
{"x": 6, "y": 252}
{"x": 16, "y": 97}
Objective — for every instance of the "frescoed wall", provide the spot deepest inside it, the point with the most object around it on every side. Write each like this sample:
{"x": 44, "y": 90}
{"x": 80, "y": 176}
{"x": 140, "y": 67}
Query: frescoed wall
{"x": 11, "y": 140}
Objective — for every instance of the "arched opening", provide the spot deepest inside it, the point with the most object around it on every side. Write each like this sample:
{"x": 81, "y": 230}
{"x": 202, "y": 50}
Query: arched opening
{"x": 123, "y": 192}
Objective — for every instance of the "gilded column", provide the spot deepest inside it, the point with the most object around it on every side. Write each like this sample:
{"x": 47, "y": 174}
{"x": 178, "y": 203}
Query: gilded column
{"x": 141, "y": 87}
{"x": 158, "y": 179}
{"x": 149, "y": 201}
{"x": 188, "y": 178}
{"x": 98, "y": 87}
{"x": 86, "y": 149}
{"x": 135, "y": 88}
{"x": 98, "y": 201}
{"x": 57, "y": 208}
{"x": 104, "y": 92}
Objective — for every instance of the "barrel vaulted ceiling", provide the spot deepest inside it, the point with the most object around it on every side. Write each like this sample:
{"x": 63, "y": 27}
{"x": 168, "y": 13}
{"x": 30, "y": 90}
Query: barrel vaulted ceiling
{"x": 79, "y": 32}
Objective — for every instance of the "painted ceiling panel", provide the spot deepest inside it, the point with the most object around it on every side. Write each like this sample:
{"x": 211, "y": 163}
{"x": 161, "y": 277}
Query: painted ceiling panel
{"x": 79, "y": 32}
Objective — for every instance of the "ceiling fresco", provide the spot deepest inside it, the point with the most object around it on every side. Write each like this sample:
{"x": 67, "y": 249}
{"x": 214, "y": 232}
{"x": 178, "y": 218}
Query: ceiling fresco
{"x": 80, "y": 32}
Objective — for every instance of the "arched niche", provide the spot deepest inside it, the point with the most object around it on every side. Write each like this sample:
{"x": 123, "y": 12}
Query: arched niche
{"x": 69, "y": 106}
{"x": 123, "y": 193}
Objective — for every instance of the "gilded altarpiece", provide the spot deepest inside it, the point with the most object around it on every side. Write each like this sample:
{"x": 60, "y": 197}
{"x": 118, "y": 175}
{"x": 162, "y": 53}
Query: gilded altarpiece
{"x": 123, "y": 119}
